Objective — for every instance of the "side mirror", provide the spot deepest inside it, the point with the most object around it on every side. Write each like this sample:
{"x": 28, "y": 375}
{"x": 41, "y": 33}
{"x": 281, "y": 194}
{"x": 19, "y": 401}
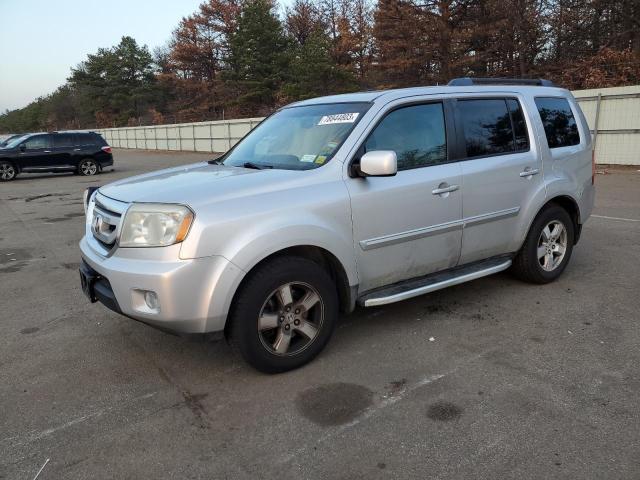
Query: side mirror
{"x": 379, "y": 163}
{"x": 22, "y": 147}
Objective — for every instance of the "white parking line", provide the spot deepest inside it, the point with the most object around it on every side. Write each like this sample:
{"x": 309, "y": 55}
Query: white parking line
{"x": 616, "y": 218}
{"x": 33, "y": 436}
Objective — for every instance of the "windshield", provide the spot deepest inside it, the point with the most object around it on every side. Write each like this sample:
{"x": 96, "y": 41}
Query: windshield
{"x": 297, "y": 138}
{"x": 13, "y": 142}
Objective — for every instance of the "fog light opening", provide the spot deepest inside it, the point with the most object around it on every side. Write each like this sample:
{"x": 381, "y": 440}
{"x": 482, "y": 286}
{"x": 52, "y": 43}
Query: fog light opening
{"x": 151, "y": 299}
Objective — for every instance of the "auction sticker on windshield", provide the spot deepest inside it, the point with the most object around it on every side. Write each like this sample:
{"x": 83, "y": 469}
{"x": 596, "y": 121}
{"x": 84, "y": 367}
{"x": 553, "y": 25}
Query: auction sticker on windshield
{"x": 339, "y": 118}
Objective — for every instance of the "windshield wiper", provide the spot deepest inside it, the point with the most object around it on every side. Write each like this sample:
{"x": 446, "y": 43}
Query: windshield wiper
{"x": 255, "y": 166}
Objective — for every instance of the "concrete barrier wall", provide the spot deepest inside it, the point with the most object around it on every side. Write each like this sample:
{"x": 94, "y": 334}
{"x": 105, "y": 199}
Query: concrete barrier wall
{"x": 218, "y": 136}
{"x": 613, "y": 115}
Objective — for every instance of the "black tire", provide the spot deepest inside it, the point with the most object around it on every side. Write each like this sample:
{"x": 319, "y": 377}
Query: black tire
{"x": 243, "y": 332}
{"x": 88, "y": 167}
{"x": 527, "y": 265}
{"x": 8, "y": 171}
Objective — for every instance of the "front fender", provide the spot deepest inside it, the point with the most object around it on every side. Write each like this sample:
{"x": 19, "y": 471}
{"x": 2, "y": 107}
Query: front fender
{"x": 246, "y": 251}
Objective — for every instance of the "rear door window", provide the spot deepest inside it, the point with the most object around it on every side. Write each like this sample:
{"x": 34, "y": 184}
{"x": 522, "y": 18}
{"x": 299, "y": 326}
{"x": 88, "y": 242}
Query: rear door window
{"x": 487, "y": 127}
{"x": 559, "y": 123}
{"x": 63, "y": 140}
{"x": 417, "y": 134}
{"x": 520, "y": 135}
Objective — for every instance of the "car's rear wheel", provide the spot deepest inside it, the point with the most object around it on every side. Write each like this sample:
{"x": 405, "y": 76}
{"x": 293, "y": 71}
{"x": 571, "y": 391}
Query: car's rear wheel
{"x": 88, "y": 167}
{"x": 284, "y": 314}
{"x": 7, "y": 171}
{"x": 547, "y": 248}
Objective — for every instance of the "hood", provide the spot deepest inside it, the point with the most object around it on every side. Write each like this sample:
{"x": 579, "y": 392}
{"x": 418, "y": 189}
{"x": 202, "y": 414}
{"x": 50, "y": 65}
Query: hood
{"x": 196, "y": 184}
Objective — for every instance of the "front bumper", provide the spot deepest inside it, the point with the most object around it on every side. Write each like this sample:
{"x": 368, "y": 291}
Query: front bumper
{"x": 194, "y": 295}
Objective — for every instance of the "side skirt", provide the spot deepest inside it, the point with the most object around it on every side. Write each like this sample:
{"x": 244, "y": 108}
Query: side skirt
{"x": 434, "y": 281}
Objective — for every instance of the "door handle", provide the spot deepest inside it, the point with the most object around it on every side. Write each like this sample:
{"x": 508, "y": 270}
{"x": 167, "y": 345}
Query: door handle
{"x": 77, "y": 149}
{"x": 529, "y": 172}
{"x": 444, "y": 188}
{"x": 47, "y": 151}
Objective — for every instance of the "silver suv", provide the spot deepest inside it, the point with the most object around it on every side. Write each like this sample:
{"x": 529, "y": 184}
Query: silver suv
{"x": 366, "y": 198}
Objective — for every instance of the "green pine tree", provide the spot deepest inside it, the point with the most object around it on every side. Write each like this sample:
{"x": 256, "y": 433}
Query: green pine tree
{"x": 313, "y": 72}
{"x": 259, "y": 57}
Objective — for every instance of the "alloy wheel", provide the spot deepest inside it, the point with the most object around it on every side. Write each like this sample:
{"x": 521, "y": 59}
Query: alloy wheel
{"x": 290, "y": 319}
{"x": 88, "y": 168}
{"x": 552, "y": 245}
{"x": 7, "y": 171}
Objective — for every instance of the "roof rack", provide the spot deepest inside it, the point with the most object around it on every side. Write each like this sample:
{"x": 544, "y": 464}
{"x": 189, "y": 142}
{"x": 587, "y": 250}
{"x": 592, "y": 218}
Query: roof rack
{"x": 471, "y": 81}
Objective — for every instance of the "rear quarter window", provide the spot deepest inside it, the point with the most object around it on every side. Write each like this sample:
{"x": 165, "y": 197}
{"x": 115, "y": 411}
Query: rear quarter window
{"x": 90, "y": 139}
{"x": 559, "y": 123}
{"x": 98, "y": 140}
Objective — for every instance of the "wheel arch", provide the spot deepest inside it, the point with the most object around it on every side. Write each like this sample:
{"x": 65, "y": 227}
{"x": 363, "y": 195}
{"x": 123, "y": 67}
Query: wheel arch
{"x": 570, "y": 205}
{"x": 573, "y": 209}
{"x": 319, "y": 255}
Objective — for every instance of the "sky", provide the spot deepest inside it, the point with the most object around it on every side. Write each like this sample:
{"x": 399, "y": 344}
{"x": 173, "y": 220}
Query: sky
{"x": 41, "y": 40}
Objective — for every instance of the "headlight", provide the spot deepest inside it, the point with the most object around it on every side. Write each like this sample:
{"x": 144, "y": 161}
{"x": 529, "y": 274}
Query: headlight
{"x": 155, "y": 225}
{"x": 86, "y": 197}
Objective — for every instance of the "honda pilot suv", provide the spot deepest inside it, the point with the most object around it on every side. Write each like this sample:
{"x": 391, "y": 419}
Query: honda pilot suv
{"x": 84, "y": 153}
{"x": 365, "y": 198}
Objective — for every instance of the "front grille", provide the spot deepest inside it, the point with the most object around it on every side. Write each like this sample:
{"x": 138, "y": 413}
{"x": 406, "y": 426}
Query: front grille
{"x": 105, "y": 222}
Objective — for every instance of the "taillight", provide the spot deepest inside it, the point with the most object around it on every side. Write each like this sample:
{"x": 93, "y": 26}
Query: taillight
{"x": 106, "y": 149}
{"x": 593, "y": 167}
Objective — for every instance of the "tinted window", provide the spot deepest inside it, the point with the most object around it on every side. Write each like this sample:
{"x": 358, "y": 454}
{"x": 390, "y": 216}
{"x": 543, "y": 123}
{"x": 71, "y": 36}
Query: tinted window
{"x": 559, "y": 124}
{"x": 487, "y": 127}
{"x": 98, "y": 140}
{"x": 36, "y": 142}
{"x": 416, "y": 134}
{"x": 85, "y": 139}
{"x": 63, "y": 140}
{"x": 519, "y": 125}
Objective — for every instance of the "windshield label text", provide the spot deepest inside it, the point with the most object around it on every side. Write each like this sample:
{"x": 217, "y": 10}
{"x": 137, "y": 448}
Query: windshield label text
{"x": 338, "y": 118}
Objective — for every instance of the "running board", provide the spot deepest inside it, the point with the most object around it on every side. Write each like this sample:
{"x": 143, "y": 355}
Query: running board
{"x": 431, "y": 283}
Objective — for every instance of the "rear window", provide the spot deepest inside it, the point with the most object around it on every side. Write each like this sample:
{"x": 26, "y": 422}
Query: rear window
{"x": 559, "y": 123}
{"x": 493, "y": 126}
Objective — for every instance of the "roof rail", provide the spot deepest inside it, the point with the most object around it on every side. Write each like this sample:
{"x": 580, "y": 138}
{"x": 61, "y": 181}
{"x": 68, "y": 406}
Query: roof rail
{"x": 471, "y": 81}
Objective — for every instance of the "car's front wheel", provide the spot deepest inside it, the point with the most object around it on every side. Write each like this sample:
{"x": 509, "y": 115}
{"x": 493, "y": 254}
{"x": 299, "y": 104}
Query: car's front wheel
{"x": 7, "y": 171}
{"x": 88, "y": 167}
{"x": 547, "y": 248}
{"x": 284, "y": 314}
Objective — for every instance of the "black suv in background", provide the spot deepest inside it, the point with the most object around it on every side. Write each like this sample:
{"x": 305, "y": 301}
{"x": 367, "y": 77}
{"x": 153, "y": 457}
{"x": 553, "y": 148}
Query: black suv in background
{"x": 85, "y": 153}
